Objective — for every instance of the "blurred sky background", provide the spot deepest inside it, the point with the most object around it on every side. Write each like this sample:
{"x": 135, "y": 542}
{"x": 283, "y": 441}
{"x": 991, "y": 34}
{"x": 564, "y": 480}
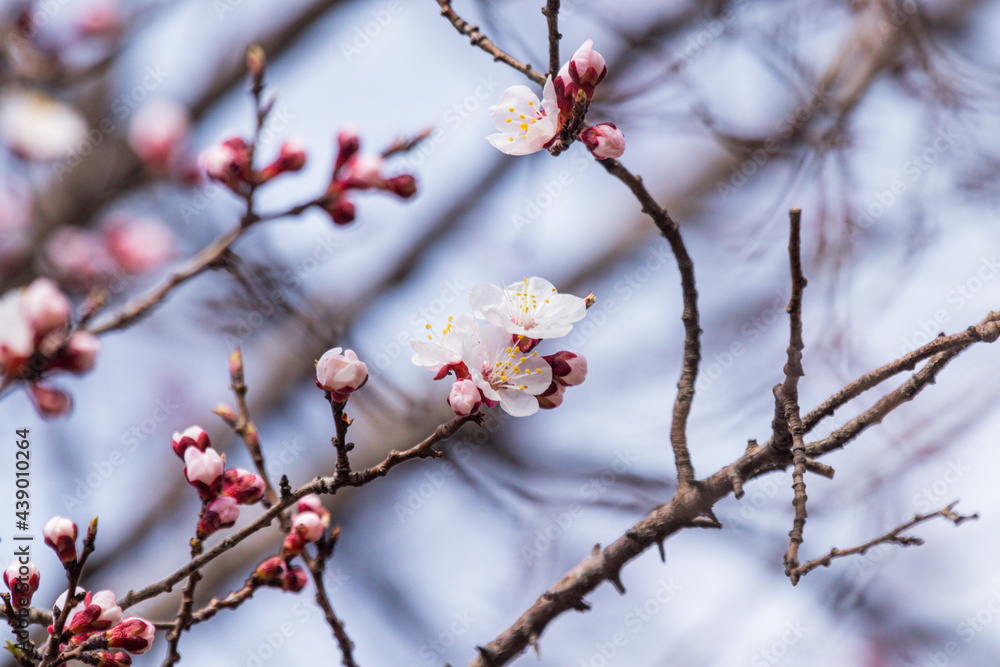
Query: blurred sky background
{"x": 878, "y": 119}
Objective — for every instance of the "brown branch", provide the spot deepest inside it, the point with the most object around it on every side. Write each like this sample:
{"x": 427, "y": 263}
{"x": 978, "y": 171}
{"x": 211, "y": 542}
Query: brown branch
{"x": 320, "y": 485}
{"x": 986, "y": 331}
{"x": 183, "y": 619}
{"x": 894, "y": 536}
{"x": 73, "y": 573}
{"x": 787, "y": 394}
{"x": 231, "y": 601}
{"x": 317, "y": 566}
{"x": 551, "y": 12}
{"x": 341, "y": 422}
{"x": 692, "y": 328}
{"x": 679, "y": 513}
{"x": 477, "y": 38}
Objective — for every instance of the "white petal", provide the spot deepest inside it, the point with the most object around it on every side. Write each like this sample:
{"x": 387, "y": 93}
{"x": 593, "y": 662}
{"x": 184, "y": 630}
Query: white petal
{"x": 483, "y": 295}
{"x": 517, "y": 403}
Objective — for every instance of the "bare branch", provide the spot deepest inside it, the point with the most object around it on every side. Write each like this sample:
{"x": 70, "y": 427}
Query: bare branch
{"x": 551, "y": 12}
{"x": 894, "y": 536}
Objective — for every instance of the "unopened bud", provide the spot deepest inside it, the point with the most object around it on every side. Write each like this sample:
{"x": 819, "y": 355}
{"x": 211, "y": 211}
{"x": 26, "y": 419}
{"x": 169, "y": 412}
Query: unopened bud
{"x": 60, "y": 534}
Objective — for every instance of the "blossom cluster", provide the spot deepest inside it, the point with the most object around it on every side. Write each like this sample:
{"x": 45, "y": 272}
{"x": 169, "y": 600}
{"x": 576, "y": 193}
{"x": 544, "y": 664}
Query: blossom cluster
{"x": 309, "y": 525}
{"x": 525, "y": 125}
{"x": 222, "y": 491}
{"x": 36, "y": 337}
{"x": 497, "y": 362}
{"x": 95, "y": 623}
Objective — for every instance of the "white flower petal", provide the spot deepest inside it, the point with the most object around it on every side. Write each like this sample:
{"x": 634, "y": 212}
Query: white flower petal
{"x": 517, "y": 403}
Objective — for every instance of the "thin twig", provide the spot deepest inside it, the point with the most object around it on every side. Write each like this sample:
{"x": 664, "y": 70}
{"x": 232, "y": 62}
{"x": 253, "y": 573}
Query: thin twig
{"x": 477, "y": 38}
{"x": 231, "y": 601}
{"x": 341, "y": 422}
{"x": 183, "y": 619}
{"x": 317, "y": 566}
{"x": 551, "y": 12}
{"x": 73, "y": 573}
{"x": 894, "y": 536}
{"x": 787, "y": 393}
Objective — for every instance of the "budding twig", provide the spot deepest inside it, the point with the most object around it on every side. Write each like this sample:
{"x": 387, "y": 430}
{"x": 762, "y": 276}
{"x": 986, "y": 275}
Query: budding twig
{"x": 551, "y": 12}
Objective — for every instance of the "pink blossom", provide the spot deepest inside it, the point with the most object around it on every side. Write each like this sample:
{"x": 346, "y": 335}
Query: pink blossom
{"x": 348, "y": 143}
{"x": 340, "y": 374}
{"x": 362, "y": 171}
{"x": 98, "y": 611}
{"x": 49, "y": 401}
{"x": 79, "y": 257}
{"x": 464, "y": 398}
{"x": 587, "y": 68}
{"x": 157, "y": 131}
{"x": 45, "y": 307}
{"x": 312, "y": 503}
{"x": 270, "y": 569}
{"x": 133, "y": 634}
{"x": 192, "y": 436}
{"x": 109, "y": 659}
{"x": 604, "y": 141}
{"x": 60, "y": 534}
{"x": 243, "y": 485}
{"x": 37, "y": 127}
{"x": 80, "y": 352}
{"x": 291, "y": 158}
{"x": 228, "y": 163}
{"x": 551, "y": 397}
{"x": 503, "y": 373}
{"x": 22, "y": 580}
{"x": 138, "y": 244}
{"x": 221, "y": 512}
{"x": 203, "y": 470}
{"x": 568, "y": 368}
{"x": 17, "y": 337}
{"x": 294, "y": 580}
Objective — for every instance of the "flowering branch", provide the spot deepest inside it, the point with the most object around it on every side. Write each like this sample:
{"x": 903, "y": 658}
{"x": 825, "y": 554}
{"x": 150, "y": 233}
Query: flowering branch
{"x": 74, "y": 569}
{"x": 894, "y": 536}
{"x": 321, "y": 485}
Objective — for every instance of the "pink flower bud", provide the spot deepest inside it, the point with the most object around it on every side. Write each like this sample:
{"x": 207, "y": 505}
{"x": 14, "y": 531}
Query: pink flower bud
{"x": 291, "y": 158}
{"x": 271, "y": 569}
{"x": 313, "y": 503}
{"x": 109, "y": 659}
{"x": 403, "y": 186}
{"x": 16, "y": 336}
{"x": 221, "y": 512}
{"x": 98, "y": 611}
{"x": 192, "y": 436}
{"x": 227, "y": 163}
{"x": 348, "y": 144}
{"x": 246, "y": 487}
{"x": 156, "y": 132}
{"x": 133, "y": 634}
{"x": 138, "y": 244}
{"x": 464, "y": 398}
{"x": 604, "y": 140}
{"x": 294, "y": 580}
{"x": 551, "y": 397}
{"x": 49, "y": 401}
{"x": 22, "y": 581}
{"x": 45, "y": 307}
{"x": 227, "y": 414}
{"x": 565, "y": 91}
{"x": 587, "y": 68}
{"x": 60, "y": 534}
{"x": 309, "y": 525}
{"x": 341, "y": 211}
{"x": 203, "y": 470}
{"x": 340, "y": 374}
{"x": 362, "y": 171}
{"x": 568, "y": 369}
{"x": 79, "y": 354}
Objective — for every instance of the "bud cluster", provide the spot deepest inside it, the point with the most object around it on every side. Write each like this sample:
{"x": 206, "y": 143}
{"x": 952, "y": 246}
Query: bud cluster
{"x": 36, "y": 338}
{"x": 96, "y": 623}
{"x": 309, "y": 525}
{"x": 354, "y": 170}
{"x": 222, "y": 491}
